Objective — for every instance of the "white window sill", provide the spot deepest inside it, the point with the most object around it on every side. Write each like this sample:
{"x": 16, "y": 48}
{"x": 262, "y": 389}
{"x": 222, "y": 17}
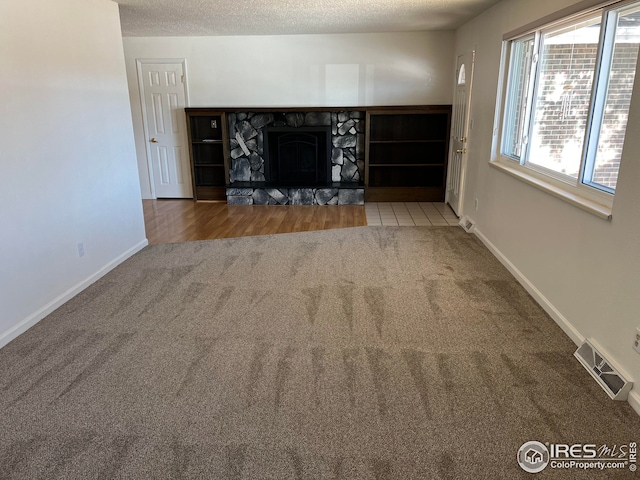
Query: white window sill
{"x": 586, "y": 204}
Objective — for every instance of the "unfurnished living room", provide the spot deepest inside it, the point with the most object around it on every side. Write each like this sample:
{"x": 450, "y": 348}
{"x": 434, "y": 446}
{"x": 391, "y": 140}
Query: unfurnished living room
{"x": 319, "y": 240}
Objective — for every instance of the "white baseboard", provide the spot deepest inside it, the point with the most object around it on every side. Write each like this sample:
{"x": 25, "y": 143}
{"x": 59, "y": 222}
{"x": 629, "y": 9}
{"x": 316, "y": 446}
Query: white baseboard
{"x": 554, "y": 313}
{"x": 634, "y": 401}
{"x": 34, "y": 318}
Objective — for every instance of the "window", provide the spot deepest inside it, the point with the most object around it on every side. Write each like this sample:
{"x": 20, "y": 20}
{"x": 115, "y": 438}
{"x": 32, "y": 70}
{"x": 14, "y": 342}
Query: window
{"x": 567, "y": 97}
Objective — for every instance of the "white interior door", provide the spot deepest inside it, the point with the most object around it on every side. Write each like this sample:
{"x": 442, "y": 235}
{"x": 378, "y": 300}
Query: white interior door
{"x": 459, "y": 132}
{"x": 163, "y": 92}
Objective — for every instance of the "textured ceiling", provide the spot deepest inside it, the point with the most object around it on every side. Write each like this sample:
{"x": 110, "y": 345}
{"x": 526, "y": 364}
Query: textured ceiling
{"x": 146, "y": 18}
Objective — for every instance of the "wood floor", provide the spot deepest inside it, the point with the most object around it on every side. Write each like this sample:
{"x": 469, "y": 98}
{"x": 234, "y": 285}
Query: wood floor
{"x": 168, "y": 221}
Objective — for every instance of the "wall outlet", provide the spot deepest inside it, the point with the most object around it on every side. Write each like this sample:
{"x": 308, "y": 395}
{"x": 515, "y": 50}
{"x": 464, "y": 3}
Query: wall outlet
{"x": 81, "y": 249}
{"x": 636, "y": 340}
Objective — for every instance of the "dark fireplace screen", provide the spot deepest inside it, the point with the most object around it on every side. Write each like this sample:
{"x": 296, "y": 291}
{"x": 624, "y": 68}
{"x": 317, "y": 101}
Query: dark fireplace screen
{"x": 298, "y": 156}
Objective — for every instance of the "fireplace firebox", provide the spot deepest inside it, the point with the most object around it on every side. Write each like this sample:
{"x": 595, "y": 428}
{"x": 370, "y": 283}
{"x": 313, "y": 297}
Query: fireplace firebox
{"x": 297, "y": 157}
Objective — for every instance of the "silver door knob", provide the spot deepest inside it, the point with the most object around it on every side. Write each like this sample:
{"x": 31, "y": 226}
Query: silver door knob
{"x": 153, "y": 140}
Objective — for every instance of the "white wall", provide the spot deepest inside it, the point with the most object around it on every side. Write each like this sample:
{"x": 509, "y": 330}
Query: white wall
{"x": 67, "y": 155}
{"x": 585, "y": 270}
{"x": 300, "y": 70}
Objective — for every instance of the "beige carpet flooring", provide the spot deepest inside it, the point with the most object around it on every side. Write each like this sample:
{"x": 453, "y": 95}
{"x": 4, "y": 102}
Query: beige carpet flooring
{"x": 362, "y": 353}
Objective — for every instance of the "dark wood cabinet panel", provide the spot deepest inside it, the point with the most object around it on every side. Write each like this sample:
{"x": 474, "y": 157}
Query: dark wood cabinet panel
{"x": 205, "y": 127}
{"x": 406, "y": 153}
{"x": 408, "y": 126}
{"x": 208, "y": 153}
{"x": 406, "y": 176}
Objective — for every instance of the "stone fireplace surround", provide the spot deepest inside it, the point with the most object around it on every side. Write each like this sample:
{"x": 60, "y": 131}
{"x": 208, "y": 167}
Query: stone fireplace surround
{"x": 248, "y": 184}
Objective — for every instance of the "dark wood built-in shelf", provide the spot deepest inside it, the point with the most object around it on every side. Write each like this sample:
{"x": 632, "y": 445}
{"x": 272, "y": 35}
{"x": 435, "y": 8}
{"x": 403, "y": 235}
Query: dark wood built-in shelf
{"x": 207, "y": 130}
{"x": 406, "y": 153}
{"x": 406, "y": 150}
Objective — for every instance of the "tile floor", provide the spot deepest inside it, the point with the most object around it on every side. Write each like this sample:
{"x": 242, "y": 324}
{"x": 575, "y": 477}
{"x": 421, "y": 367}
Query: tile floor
{"x": 419, "y": 214}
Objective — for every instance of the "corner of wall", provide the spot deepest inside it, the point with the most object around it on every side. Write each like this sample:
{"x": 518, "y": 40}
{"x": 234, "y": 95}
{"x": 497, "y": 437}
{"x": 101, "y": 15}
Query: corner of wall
{"x": 34, "y": 318}
{"x": 548, "y": 307}
{"x": 634, "y": 401}
{"x": 566, "y": 326}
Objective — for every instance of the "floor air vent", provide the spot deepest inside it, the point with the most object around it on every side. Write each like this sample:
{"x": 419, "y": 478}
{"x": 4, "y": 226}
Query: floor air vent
{"x": 608, "y": 377}
{"x": 467, "y": 224}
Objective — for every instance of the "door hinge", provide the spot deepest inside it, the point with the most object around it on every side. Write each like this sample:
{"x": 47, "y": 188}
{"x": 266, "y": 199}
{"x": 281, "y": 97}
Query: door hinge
{"x": 182, "y": 78}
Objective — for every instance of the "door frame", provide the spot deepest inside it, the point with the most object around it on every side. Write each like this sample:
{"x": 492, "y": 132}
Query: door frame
{"x": 147, "y": 148}
{"x": 467, "y": 129}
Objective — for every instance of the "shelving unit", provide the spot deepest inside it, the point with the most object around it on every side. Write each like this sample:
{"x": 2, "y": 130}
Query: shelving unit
{"x": 406, "y": 150}
{"x": 207, "y": 131}
{"x": 406, "y": 154}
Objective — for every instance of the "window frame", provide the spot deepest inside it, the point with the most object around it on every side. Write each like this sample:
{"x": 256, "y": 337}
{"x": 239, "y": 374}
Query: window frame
{"x": 580, "y": 191}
